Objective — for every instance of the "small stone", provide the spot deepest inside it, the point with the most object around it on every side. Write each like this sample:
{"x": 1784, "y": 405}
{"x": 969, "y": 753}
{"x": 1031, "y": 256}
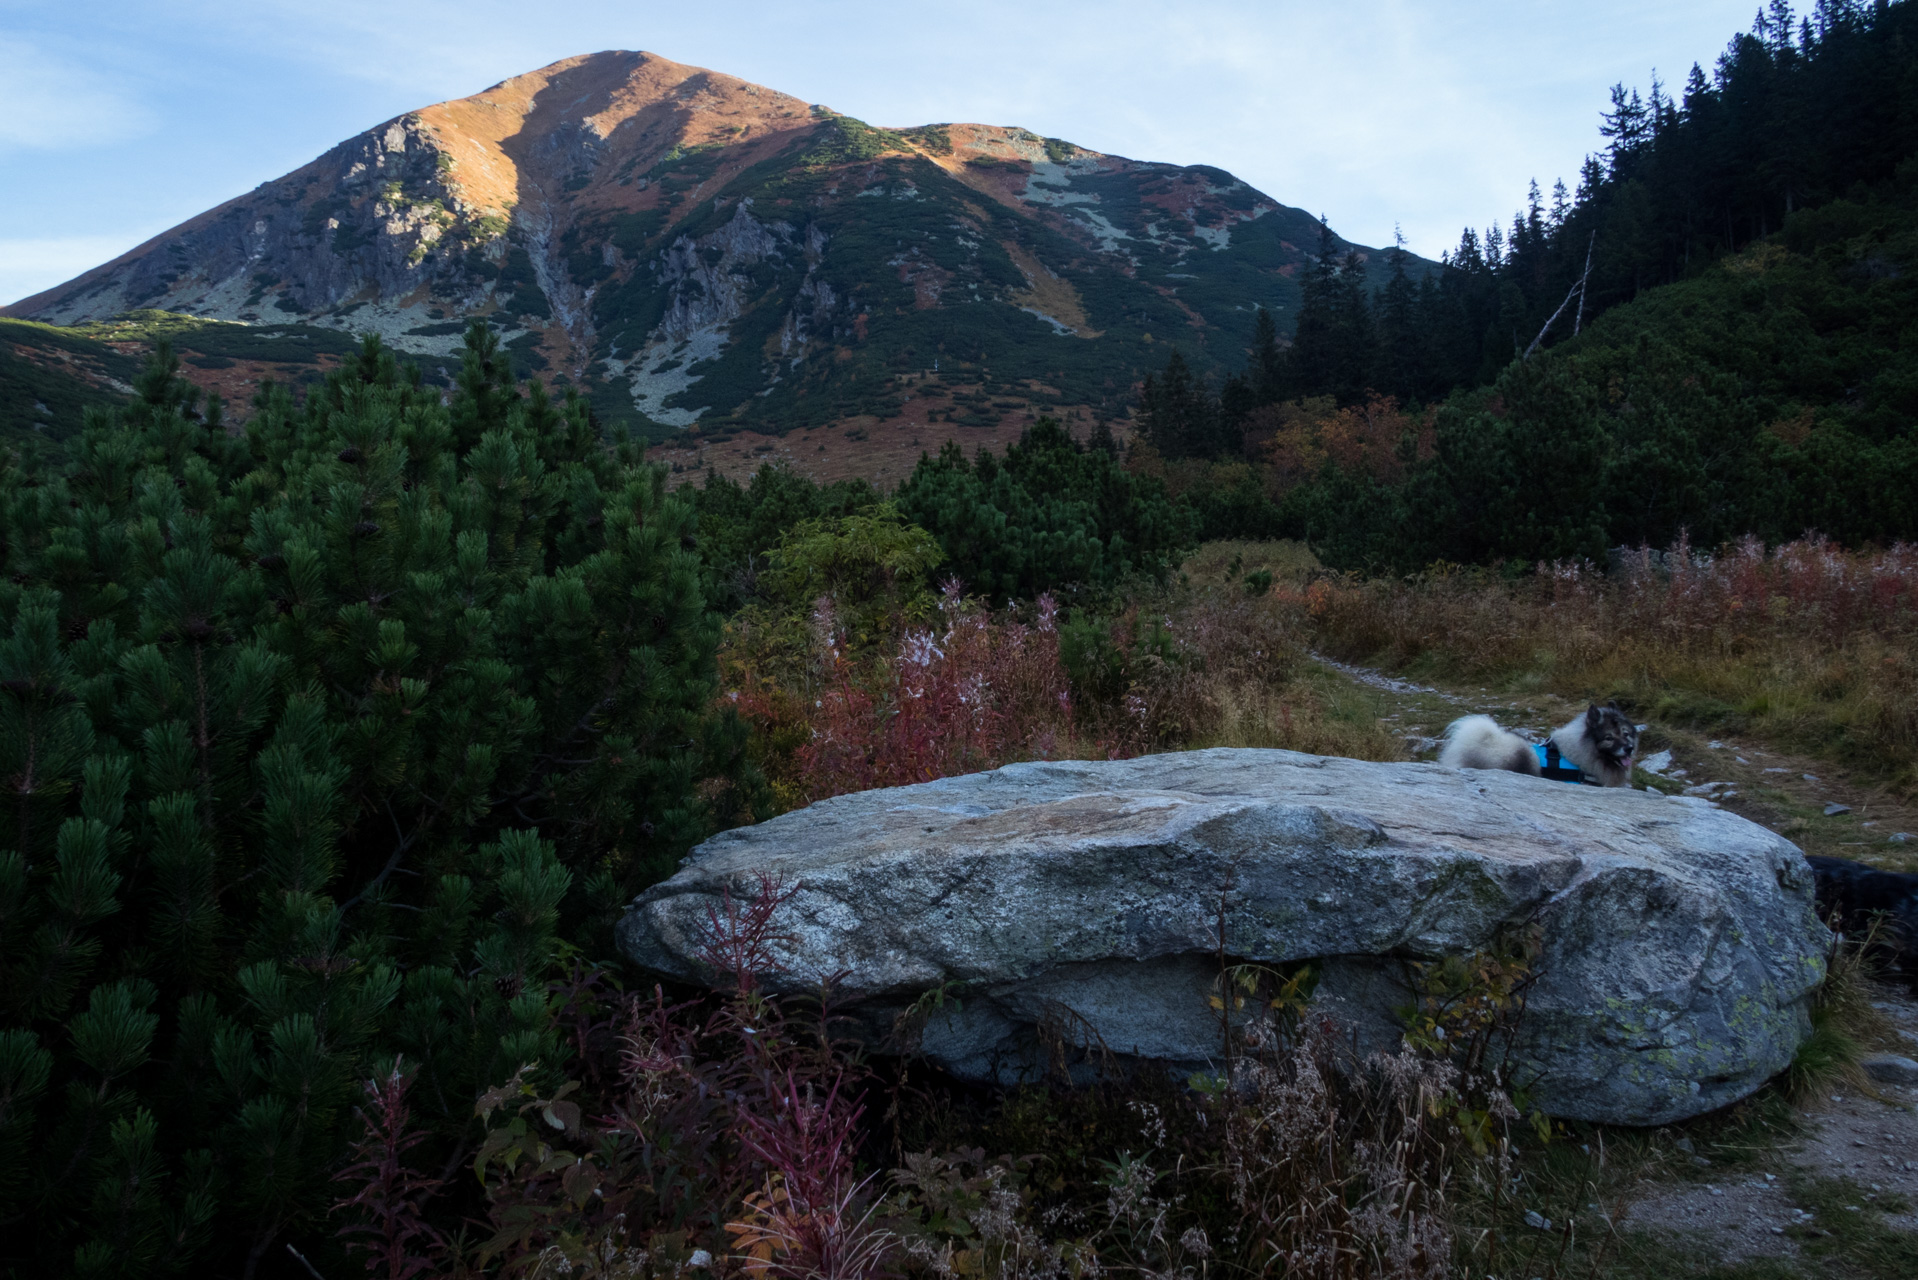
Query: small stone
{"x": 1891, "y": 1068}
{"x": 1741, "y": 759}
{"x": 1778, "y": 771}
{"x": 1656, "y": 763}
{"x": 1898, "y": 837}
{"x": 1809, "y": 777}
{"x": 1534, "y": 1219}
{"x": 1684, "y": 1144}
{"x": 1833, "y": 810}
{"x": 1716, "y": 746}
{"x": 1701, "y": 1162}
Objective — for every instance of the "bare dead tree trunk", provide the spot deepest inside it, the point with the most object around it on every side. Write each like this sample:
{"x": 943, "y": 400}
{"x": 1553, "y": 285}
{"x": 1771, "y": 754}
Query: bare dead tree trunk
{"x": 1577, "y": 291}
{"x": 1578, "y": 322}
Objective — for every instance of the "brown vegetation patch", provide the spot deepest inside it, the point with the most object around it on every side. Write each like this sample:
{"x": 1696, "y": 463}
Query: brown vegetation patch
{"x": 1048, "y": 293}
{"x": 882, "y": 451}
{"x": 239, "y": 382}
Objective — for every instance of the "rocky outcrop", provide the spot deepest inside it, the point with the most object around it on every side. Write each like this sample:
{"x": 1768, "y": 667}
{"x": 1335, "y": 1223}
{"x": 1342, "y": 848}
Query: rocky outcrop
{"x": 1680, "y": 944}
{"x": 364, "y": 217}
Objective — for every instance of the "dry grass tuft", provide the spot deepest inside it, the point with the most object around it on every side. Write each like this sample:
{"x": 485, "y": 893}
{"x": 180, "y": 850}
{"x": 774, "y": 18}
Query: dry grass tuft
{"x": 1805, "y": 644}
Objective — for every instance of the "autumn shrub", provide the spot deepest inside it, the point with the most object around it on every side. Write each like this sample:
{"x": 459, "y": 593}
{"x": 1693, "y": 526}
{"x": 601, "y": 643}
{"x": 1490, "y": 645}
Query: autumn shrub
{"x": 1804, "y": 642}
{"x": 734, "y": 1135}
{"x": 970, "y": 688}
{"x": 966, "y": 690}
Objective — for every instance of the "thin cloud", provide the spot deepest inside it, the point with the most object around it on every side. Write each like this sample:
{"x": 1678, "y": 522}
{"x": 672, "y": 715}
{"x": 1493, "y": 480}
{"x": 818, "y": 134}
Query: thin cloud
{"x": 49, "y": 102}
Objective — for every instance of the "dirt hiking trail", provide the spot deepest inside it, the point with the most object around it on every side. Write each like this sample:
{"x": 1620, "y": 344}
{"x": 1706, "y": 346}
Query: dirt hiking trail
{"x": 1824, "y": 1185}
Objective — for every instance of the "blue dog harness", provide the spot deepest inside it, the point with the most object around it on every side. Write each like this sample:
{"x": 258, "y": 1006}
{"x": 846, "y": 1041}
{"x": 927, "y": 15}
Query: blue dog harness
{"x": 1552, "y": 765}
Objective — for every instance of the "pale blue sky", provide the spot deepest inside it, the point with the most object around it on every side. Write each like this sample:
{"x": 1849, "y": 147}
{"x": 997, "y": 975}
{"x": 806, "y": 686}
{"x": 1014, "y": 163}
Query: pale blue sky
{"x": 120, "y": 118}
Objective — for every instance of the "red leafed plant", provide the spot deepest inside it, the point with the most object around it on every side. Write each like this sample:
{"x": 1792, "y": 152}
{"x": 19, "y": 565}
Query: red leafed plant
{"x": 740, "y": 936}
{"x": 811, "y": 1218}
{"x": 722, "y": 1128}
{"x": 972, "y": 692}
{"x": 392, "y": 1230}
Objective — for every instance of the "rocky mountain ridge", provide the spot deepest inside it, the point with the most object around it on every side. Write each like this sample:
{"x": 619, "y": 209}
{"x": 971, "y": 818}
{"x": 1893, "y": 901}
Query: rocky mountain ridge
{"x": 690, "y": 248}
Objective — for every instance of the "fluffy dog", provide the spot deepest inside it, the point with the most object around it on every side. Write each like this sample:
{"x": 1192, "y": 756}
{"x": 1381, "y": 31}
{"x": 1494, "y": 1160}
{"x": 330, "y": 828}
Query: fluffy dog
{"x": 1601, "y": 742}
{"x": 1476, "y": 742}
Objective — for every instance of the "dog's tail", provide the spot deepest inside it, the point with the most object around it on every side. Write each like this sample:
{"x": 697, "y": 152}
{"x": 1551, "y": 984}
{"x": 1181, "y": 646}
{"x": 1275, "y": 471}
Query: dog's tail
{"x": 1476, "y": 742}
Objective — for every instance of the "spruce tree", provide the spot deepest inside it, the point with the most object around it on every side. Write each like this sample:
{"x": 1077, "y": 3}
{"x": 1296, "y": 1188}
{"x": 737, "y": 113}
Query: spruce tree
{"x": 1332, "y": 348}
{"x": 1175, "y": 412}
{"x": 1400, "y": 365}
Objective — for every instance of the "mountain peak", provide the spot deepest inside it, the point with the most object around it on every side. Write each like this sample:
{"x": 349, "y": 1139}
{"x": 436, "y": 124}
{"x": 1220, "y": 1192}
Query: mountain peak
{"x": 556, "y": 123}
{"x": 690, "y": 248}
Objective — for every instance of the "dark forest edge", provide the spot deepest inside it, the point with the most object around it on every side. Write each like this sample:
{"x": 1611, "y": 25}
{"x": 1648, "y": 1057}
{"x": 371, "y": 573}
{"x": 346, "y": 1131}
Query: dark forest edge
{"x": 1732, "y": 364}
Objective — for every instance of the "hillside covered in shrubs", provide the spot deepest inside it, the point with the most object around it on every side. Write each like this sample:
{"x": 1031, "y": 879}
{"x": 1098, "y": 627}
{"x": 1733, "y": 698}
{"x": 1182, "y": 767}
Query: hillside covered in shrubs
{"x": 336, "y": 746}
{"x": 1705, "y": 338}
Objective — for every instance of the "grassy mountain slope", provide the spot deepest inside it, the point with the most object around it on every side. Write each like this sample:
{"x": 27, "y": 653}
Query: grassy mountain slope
{"x": 48, "y": 378}
{"x": 51, "y": 374}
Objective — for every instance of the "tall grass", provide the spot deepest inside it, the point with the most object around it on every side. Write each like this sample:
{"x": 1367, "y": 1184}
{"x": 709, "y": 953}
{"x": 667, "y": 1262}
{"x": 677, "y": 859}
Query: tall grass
{"x": 1805, "y": 644}
{"x": 957, "y": 687}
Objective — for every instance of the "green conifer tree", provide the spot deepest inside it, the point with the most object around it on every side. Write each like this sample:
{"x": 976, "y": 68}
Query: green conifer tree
{"x": 316, "y": 737}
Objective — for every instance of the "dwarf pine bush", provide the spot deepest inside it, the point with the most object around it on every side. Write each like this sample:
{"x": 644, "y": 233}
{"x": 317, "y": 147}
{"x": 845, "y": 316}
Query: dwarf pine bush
{"x": 316, "y": 740}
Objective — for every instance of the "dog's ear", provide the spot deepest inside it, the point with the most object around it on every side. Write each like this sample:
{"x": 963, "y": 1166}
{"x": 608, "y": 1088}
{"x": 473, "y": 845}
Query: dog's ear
{"x": 1592, "y": 714}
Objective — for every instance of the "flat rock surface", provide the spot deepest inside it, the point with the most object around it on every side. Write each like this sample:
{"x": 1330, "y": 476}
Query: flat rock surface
{"x": 1679, "y": 940}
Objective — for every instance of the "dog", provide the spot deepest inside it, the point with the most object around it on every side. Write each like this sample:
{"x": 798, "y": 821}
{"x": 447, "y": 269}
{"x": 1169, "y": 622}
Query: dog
{"x": 1476, "y": 742}
{"x": 1601, "y": 742}
{"x": 1852, "y": 893}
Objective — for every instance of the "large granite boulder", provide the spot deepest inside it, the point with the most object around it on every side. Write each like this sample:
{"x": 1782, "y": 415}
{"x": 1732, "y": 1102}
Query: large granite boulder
{"x": 1680, "y": 944}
